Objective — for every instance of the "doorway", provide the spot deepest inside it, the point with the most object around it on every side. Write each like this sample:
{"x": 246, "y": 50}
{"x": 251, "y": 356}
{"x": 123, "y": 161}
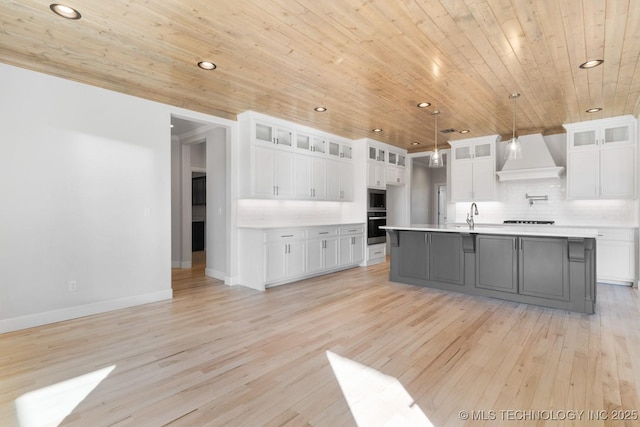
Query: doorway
{"x": 199, "y": 197}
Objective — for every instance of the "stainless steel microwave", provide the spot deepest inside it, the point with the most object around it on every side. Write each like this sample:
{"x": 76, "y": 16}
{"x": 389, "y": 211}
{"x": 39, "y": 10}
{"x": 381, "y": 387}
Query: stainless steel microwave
{"x": 377, "y": 200}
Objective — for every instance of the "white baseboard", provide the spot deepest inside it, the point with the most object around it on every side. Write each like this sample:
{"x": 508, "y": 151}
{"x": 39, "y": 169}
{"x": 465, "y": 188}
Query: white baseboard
{"x": 176, "y": 264}
{"x": 39, "y": 319}
{"x": 214, "y": 273}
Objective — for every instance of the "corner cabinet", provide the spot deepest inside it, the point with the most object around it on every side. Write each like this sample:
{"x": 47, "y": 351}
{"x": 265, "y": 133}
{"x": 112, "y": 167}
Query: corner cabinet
{"x": 473, "y": 169}
{"x": 601, "y": 159}
{"x": 292, "y": 162}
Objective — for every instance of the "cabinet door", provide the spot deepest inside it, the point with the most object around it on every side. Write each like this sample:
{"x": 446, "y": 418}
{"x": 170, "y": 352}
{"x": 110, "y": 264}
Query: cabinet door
{"x": 283, "y": 166}
{"x": 284, "y": 137}
{"x": 263, "y": 172}
{"x": 303, "y": 142}
{"x": 413, "y": 259}
{"x": 333, "y": 180}
{"x": 357, "y": 249}
{"x": 582, "y": 171}
{"x": 615, "y": 260}
{"x": 392, "y": 175}
{"x": 483, "y": 150}
{"x": 330, "y": 253}
{"x": 587, "y": 138}
{"x": 275, "y": 262}
{"x": 319, "y": 178}
{"x": 346, "y": 181}
{"x": 318, "y": 145}
{"x": 345, "y": 250}
{"x": 295, "y": 259}
{"x": 314, "y": 255}
{"x": 617, "y": 172}
{"x": 381, "y": 174}
{"x": 303, "y": 177}
{"x": 483, "y": 179}
{"x": 334, "y": 149}
{"x": 544, "y": 267}
{"x": 446, "y": 263}
{"x": 615, "y": 135}
{"x": 496, "y": 263}
{"x": 461, "y": 181}
{"x": 264, "y": 133}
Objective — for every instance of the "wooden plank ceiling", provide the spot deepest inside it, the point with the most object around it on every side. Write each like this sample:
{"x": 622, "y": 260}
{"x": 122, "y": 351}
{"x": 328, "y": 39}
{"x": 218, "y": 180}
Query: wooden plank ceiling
{"x": 368, "y": 61}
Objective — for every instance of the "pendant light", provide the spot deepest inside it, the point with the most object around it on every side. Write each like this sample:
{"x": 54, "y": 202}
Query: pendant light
{"x": 514, "y": 148}
{"x": 435, "y": 161}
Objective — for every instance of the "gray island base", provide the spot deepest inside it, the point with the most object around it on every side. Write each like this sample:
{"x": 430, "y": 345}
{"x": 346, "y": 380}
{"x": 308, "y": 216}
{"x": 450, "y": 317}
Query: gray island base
{"x": 553, "y": 268}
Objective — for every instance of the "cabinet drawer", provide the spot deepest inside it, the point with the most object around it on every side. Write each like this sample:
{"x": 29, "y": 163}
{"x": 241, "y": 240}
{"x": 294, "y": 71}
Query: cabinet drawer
{"x": 322, "y": 232}
{"x": 376, "y": 252}
{"x": 276, "y": 235}
{"x": 624, "y": 235}
{"x": 356, "y": 229}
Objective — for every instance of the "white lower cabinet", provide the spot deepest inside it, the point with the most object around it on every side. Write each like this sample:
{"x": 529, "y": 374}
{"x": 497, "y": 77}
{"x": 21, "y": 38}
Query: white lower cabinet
{"x": 376, "y": 253}
{"x": 284, "y": 260}
{"x": 271, "y": 257}
{"x": 322, "y": 249}
{"x": 615, "y": 256}
{"x": 351, "y": 245}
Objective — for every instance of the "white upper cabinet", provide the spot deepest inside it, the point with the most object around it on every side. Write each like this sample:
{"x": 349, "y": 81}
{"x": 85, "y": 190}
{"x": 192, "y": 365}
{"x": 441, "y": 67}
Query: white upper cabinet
{"x": 601, "y": 159}
{"x": 473, "y": 169}
{"x": 273, "y": 178}
{"x": 376, "y": 167}
{"x": 290, "y": 161}
{"x": 396, "y": 174}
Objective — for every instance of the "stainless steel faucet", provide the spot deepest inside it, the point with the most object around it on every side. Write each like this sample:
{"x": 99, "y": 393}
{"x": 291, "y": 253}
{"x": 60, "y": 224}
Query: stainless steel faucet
{"x": 470, "y": 221}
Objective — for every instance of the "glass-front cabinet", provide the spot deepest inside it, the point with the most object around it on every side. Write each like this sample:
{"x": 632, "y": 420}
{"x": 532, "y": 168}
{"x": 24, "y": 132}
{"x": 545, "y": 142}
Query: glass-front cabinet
{"x": 601, "y": 159}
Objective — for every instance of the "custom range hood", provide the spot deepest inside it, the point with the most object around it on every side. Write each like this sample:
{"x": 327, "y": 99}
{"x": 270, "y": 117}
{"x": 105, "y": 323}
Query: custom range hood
{"x": 536, "y": 161}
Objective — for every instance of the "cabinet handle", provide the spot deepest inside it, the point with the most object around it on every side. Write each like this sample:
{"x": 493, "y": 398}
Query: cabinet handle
{"x": 323, "y": 232}
{"x": 287, "y": 235}
{"x": 311, "y": 192}
{"x": 314, "y": 192}
{"x": 353, "y": 240}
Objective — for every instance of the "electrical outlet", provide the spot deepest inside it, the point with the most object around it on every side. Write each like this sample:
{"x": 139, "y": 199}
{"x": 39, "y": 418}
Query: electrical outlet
{"x": 73, "y": 285}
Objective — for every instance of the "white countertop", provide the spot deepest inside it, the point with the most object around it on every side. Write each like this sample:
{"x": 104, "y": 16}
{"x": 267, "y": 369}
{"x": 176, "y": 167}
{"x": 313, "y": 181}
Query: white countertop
{"x": 295, "y": 226}
{"x": 514, "y": 230}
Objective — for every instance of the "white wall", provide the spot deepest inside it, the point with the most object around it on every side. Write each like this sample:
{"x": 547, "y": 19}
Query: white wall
{"x": 86, "y": 197}
{"x": 88, "y": 184}
{"x": 217, "y": 204}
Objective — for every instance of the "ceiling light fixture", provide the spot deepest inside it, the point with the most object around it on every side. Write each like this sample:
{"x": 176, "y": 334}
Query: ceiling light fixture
{"x": 594, "y": 110}
{"x": 514, "y": 147}
{"x": 320, "y": 109}
{"x": 463, "y": 131}
{"x": 207, "y": 65}
{"x": 415, "y": 143}
{"x": 591, "y": 64}
{"x": 435, "y": 161}
{"x": 376, "y": 130}
{"x": 65, "y": 11}
{"x": 424, "y": 104}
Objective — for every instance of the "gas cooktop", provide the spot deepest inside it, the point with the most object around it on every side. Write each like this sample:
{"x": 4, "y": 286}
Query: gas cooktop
{"x": 528, "y": 221}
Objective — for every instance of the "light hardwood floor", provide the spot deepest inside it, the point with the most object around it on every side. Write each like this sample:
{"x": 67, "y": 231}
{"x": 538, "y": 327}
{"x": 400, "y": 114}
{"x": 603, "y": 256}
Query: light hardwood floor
{"x": 230, "y": 356}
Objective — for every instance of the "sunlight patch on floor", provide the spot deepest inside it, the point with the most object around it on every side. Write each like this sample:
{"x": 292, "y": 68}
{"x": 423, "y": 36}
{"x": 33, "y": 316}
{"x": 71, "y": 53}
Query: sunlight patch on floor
{"x": 48, "y": 406}
{"x": 375, "y": 399}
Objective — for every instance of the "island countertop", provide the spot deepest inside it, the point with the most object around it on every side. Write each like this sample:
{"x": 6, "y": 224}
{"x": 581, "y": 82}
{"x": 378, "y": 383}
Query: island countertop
{"x": 513, "y": 230}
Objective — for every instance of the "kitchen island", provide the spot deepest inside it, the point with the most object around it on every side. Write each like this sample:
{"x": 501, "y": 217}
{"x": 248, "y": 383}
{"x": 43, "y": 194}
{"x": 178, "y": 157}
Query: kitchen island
{"x": 543, "y": 265}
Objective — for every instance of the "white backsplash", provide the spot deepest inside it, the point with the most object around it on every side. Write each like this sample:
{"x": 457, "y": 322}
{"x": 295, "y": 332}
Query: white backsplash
{"x": 289, "y": 213}
{"x": 512, "y": 204}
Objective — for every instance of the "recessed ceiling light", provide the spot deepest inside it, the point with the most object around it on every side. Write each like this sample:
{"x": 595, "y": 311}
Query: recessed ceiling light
{"x": 65, "y": 11}
{"x": 207, "y": 65}
{"x": 465, "y": 131}
{"x": 415, "y": 143}
{"x": 592, "y": 63}
{"x": 594, "y": 110}
{"x": 320, "y": 109}
{"x": 424, "y": 104}
{"x": 376, "y": 130}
